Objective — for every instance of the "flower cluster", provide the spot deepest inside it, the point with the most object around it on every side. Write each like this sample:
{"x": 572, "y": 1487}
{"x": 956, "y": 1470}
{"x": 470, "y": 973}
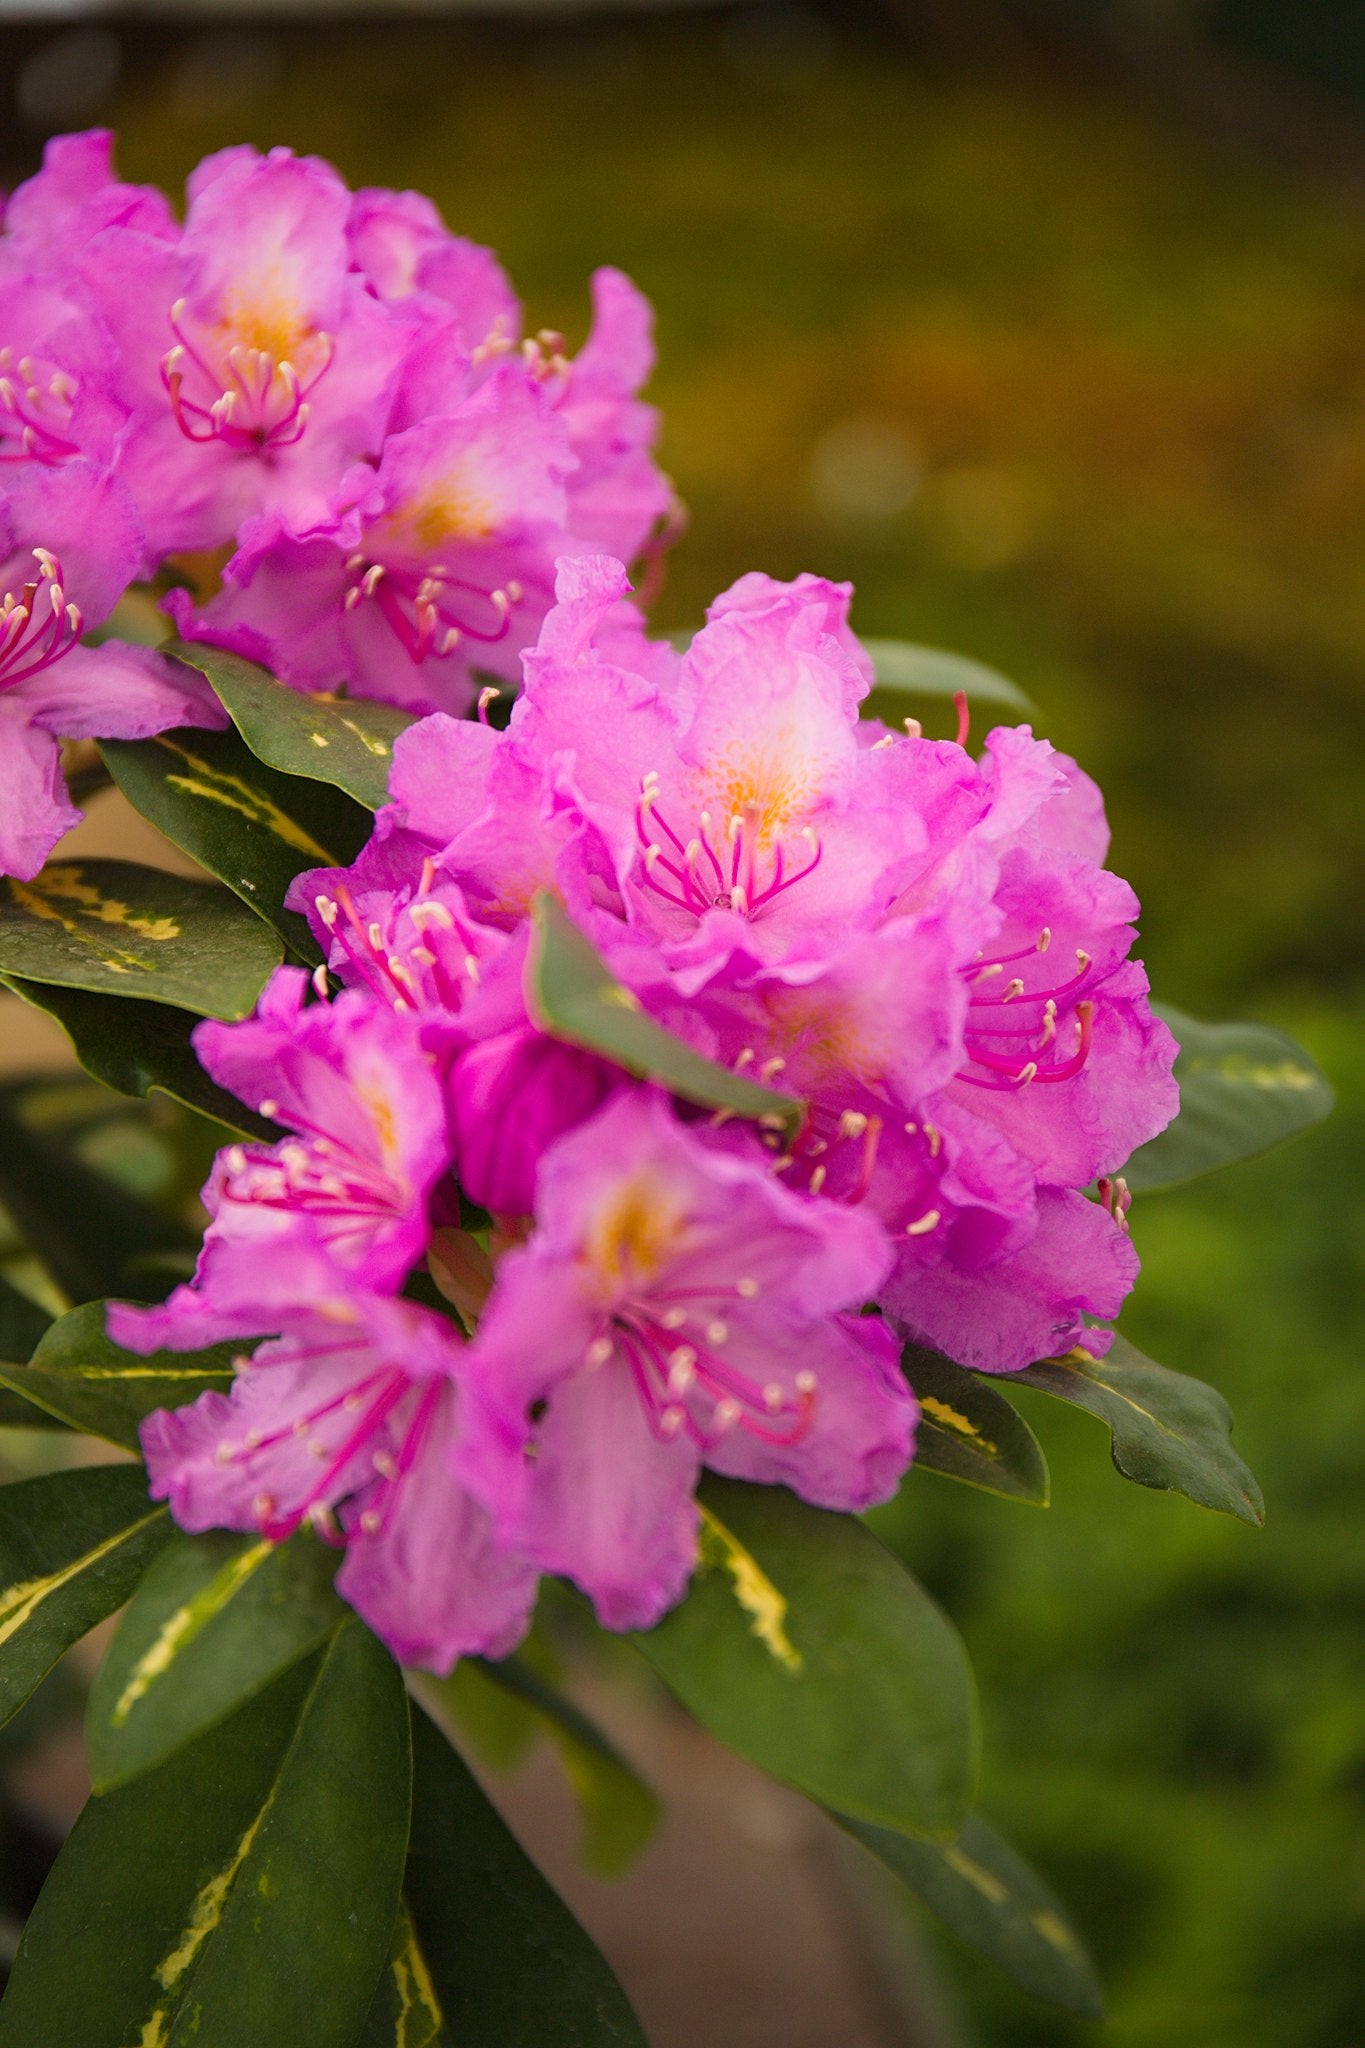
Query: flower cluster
{"x": 514, "y": 1297}
{"x": 318, "y": 408}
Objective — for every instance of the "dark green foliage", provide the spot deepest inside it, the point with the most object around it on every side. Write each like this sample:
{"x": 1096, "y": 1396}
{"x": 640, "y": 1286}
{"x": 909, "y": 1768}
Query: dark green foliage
{"x": 490, "y": 1955}
{"x": 968, "y": 1430}
{"x": 125, "y": 930}
{"x": 216, "y": 1619}
{"x": 808, "y": 1647}
{"x": 347, "y": 743}
{"x": 136, "y": 1048}
{"x": 250, "y": 826}
{"x": 72, "y": 1547}
{"x": 576, "y": 997}
{"x": 985, "y": 1892}
{"x": 1169, "y": 1431}
{"x": 93, "y": 1237}
{"x": 1243, "y": 1088}
{"x": 86, "y": 1380}
{"x": 245, "y": 1891}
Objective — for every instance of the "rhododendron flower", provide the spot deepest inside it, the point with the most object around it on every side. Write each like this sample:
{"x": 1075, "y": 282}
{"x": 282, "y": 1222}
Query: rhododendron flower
{"x": 350, "y": 1420}
{"x": 358, "y": 1089}
{"x": 411, "y": 569}
{"x": 676, "y": 1307}
{"x": 859, "y": 918}
{"x": 253, "y": 362}
{"x": 70, "y": 542}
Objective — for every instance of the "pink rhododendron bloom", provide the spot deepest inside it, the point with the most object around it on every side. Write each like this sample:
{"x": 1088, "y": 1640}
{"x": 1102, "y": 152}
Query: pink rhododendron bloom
{"x": 254, "y": 363}
{"x": 350, "y": 1420}
{"x": 412, "y": 569}
{"x": 49, "y": 219}
{"x": 866, "y": 920}
{"x": 70, "y": 542}
{"x": 357, "y": 1088}
{"x": 676, "y": 1307}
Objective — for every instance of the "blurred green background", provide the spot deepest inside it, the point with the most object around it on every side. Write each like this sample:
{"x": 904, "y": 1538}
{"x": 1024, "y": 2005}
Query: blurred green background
{"x": 1053, "y": 340}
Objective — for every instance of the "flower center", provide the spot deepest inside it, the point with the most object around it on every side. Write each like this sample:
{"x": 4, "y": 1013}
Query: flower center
{"x": 432, "y": 967}
{"x": 35, "y": 410}
{"x": 674, "y": 1344}
{"x": 431, "y": 610}
{"x": 38, "y": 626}
{"x": 741, "y": 867}
{"x": 1016, "y": 1055}
{"x": 248, "y": 396}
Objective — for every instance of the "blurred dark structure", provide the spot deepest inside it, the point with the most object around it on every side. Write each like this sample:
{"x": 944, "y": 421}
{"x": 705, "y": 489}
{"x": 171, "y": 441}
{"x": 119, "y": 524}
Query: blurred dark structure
{"x": 1044, "y": 322}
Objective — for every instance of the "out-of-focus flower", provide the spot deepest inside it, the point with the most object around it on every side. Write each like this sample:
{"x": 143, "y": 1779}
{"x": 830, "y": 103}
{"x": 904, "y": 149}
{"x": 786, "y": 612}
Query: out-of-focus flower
{"x": 70, "y": 542}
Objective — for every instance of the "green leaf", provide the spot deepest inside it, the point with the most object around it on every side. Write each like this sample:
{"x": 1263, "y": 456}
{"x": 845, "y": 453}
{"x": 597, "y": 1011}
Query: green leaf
{"x": 990, "y": 1898}
{"x": 969, "y": 1431}
{"x": 1169, "y": 1431}
{"x": 133, "y": 931}
{"x": 249, "y": 825}
{"x": 93, "y": 1236}
{"x": 808, "y": 1647}
{"x": 499, "y": 1728}
{"x": 347, "y": 741}
{"x": 81, "y": 1376}
{"x": 135, "y": 1049}
{"x": 216, "y": 1619}
{"x": 407, "y": 2011}
{"x": 1243, "y": 1088}
{"x": 620, "y": 1813}
{"x": 497, "y": 1960}
{"x": 242, "y": 1893}
{"x": 72, "y": 1547}
{"x": 22, "y": 1324}
{"x": 933, "y": 672}
{"x": 574, "y": 996}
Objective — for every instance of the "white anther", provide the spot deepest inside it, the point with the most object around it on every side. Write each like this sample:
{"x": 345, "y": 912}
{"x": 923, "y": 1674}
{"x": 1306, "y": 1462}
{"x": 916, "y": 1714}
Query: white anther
{"x": 671, "y": 1421}
{"x": 269, "y": 1109}
{"x": 717, "y": 1331}
{"x": 818, "y": 1178}
{"x": 429, "y": 912}
{"x": 852, "y": 1124}
{"x": 727, "y": 1414}
{"x": 672, "y": 1318}
{"x": 235, "y": 1159}
{"x": 773, "y": 1398}
{"x": 934, "y": 1140}
{"x": 1044, "y": 939}
{"x": 385, "y": 1465}
{"x": 746, "y": 1289}
{"x": 924, "y": 1224}
{"x": 320, "y": 982}
{"x": 1013, "y": 989}
{"x": 371, "y": 1521}
{"x": 806, "y": 1383}
{"x": 598, "y": 1352}
{"x": 913, "y": 728}
{"x": 681, "y": 1376}
{"x": 771, "y": 1067}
